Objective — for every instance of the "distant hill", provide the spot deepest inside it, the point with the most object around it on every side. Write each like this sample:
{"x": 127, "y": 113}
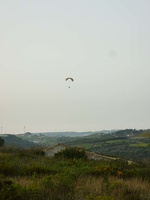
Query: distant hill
{"x": 144, "y": 134}
{"x": 13, "y": 140}
{"x": 127, "y": 144}
{"x": 73, "y": 133}
{"x": 65, "y": 134}
{"x": 51, "y": 138}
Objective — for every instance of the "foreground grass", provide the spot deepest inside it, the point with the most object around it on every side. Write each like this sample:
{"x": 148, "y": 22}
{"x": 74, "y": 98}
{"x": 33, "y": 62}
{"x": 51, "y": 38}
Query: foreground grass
{"x": 27, "y": 174}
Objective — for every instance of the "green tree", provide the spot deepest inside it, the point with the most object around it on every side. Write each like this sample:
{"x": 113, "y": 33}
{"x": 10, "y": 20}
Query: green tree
{"x": 1, "y": 142}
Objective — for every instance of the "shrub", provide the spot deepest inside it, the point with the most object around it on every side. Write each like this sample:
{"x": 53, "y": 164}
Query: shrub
{"x": 72, "y": 153}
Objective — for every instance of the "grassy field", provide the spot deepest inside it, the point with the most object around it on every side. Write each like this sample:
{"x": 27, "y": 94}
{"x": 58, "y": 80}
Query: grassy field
{"x": 140, "y": 145}
{"x": 28, "y": 174}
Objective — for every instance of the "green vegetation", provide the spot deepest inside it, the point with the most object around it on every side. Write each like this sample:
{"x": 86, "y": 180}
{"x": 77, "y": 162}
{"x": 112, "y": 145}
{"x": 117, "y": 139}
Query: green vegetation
{"x": 28, "y": 174}
{"x": 71, "y": 153}
{"x": 129, "y": 144}
{"x": 145, "y": 134}
{"x": 1, "y": 142}
{"x": 125, "y": 144}
{"x": 140, "y": 145}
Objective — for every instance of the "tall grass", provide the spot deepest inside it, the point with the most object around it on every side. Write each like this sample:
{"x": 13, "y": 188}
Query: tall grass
{"x": 28, "y": 174}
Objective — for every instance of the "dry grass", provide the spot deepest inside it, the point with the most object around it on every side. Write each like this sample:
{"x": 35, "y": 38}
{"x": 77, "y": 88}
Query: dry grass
{"x": 118, "y": 189}
{"x": 139, "y": 185}
{"x": 26, "y": 181}
{"x": 87, "y": 185}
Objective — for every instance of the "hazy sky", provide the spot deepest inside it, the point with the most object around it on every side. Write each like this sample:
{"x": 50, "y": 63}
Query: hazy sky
{"x": 103, "y": 44}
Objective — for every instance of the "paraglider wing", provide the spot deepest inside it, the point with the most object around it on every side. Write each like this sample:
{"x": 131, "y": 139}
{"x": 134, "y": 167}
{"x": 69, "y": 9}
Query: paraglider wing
{"x": 69, "y": 78}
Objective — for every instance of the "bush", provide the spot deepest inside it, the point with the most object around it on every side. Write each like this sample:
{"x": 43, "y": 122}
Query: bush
{"x": 72, "y": 153}
{"x": 1, "y": 142}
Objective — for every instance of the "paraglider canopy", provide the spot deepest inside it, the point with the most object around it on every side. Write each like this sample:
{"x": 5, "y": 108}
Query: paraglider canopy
{"x": 69, "y": 78}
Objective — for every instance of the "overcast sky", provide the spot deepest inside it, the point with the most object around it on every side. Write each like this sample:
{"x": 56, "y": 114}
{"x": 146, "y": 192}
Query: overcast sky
{"x": 103, "y": 44}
